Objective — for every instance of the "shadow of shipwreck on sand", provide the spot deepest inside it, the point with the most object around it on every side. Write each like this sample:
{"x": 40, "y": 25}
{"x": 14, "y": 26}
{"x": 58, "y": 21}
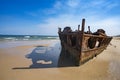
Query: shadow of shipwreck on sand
{"x": 48, "y": 57}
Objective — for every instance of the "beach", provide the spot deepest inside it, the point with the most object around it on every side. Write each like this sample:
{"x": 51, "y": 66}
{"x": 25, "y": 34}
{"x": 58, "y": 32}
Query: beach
{"x": 16, "y": 62}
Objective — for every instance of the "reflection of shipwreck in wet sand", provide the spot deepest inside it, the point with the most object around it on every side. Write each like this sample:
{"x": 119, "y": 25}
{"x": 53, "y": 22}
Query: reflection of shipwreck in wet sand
{"x": 81, "y": 46}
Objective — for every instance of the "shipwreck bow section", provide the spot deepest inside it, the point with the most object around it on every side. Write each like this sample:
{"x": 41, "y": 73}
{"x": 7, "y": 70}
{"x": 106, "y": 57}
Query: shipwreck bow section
{"x": 82, "y": 46}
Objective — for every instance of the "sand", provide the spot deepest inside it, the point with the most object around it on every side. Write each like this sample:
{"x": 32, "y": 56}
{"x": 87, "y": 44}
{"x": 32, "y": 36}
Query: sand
{"x": 15, "y": 66}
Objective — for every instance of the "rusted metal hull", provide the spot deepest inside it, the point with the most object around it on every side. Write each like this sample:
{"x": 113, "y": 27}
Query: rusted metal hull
{"x": 81, "y": 52}
{"x": 89, "y": 54}
{"x": 81, "y": 46}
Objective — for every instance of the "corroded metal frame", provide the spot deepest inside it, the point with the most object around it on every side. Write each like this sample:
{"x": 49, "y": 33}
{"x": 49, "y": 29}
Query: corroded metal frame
{"x": 80, "y": 51}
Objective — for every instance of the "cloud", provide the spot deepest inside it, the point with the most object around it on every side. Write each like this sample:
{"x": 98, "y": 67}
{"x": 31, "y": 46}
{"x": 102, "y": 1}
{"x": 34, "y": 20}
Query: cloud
{"x": 80, "y": 7}
{"x": 112, "y": 5}
{"x": 110, "y": 25}
{"x": 73, "y": 3}
{"x": 46, "y": 19}
{"x": 57, "y": 5}
{"x": 72, "y": 11}
{"x": 62, "y": 7}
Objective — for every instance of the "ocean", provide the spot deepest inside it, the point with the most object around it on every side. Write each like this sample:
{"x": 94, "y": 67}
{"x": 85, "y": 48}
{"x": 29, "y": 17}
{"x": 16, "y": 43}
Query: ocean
{"x": 7, "y": 41}
{"x": 26, "y": 37}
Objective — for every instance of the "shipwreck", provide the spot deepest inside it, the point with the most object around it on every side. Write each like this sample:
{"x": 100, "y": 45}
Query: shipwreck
{"x": 82, "y": 46}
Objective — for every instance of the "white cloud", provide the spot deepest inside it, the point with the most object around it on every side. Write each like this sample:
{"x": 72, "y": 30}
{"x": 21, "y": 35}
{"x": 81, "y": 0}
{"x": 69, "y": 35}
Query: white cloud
{"x": 95, "y": 17}
{"x": 111, "y": 25}
{"x": 73, "y": 3}
{"x": 53, "y": 10}
{"x": 98, "y": 3}
{"x": 57, "y": 5}
{"x": 110, "y": 6}
{"x": 65, "y": 6}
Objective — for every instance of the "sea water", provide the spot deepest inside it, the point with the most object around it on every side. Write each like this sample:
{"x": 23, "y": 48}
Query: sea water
{"x": 19, "y": 40}
{"x": 25, "y": 37}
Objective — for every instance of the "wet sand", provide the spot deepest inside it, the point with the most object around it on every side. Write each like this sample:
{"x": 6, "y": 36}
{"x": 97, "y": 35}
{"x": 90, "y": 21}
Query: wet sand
{"x": 15, "y": 64}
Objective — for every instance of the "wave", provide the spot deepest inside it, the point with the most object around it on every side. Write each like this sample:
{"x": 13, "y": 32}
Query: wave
{"x": 25, "y": 37}
{"x": 9, "y": 39}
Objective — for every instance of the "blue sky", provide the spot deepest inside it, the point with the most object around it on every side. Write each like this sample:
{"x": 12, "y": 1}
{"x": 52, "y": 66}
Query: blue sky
{"x": 43, "y": 17}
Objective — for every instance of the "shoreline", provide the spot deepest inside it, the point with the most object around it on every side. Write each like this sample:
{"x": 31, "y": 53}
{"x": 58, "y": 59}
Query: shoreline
{"x": 9, "y": 44}
{"x": 15, "y": 66}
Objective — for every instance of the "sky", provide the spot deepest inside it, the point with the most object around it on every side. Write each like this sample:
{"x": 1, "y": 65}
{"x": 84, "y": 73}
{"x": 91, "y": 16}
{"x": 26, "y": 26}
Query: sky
{"x": 43, "y": 17}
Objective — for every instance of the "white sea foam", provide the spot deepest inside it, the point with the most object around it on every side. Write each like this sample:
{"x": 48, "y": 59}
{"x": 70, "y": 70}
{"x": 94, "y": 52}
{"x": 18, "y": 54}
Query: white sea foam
{"x": 10, "y": 38}
{"x": 26, "y": 36}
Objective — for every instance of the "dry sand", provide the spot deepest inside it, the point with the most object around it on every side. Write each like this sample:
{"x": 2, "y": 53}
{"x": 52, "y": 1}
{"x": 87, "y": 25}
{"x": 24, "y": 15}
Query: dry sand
{"x": 14, "y": 66}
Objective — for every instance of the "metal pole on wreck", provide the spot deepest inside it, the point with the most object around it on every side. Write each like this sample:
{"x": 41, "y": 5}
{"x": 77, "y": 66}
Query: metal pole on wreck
{"x": 83, "y": 25}
{"x": 81, "y": 39}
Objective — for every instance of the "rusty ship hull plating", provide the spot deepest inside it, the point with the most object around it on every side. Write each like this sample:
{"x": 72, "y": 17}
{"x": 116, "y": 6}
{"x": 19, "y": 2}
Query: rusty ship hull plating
{"x": 82, "y": 46}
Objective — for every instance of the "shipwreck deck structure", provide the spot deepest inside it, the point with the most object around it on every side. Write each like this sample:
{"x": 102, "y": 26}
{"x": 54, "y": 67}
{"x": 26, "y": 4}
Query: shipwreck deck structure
{"x": 82, "y": 46}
